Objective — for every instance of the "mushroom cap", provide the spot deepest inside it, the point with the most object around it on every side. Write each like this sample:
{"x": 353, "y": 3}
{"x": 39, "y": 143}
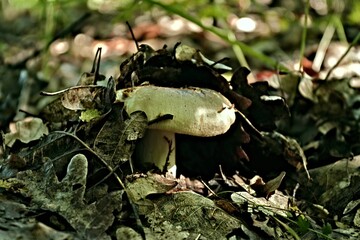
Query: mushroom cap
{"x": 196, "y": 111}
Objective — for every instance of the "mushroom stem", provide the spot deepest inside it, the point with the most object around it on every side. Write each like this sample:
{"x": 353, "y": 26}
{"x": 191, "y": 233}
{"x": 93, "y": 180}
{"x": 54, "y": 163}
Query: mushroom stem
{"x": 157, "y": 148}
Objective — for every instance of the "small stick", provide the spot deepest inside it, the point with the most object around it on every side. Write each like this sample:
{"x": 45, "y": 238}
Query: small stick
{"x": 167, "y": 161}
{"x": 133, "y": 36}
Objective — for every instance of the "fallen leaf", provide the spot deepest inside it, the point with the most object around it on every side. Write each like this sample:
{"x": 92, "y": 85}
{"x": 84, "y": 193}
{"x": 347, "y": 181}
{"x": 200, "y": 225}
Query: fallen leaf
{"x": 66, "y": 197}
{"x": 84, "y": 97}
{"x": 306, "y": 88}
{"x": 171, "y": 215}
{"x": 31, "y": 231}
{"x": 277, "y": 204}
{"x": 143, "y": 186}
{"x": 116, "y": 140}
{"x": 26, "y": 130}
{"x": 273, "y": 184}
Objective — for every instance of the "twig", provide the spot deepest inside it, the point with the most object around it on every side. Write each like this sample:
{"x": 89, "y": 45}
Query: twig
{"x": 353, "y": 43}
{"x": 133, "y": 36}
{"x": 96, "y": 64}
{"x": 303, "y": 35}
{"x": 170, "y": 150}
{"x": 254, "y": 130}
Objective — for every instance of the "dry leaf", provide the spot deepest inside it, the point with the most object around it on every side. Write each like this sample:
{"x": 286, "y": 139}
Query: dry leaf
{"x": 116, "y": 140}
{"x": 277, "y": 204}
{"x": 141, "y": 187}
{"x": 26, "y": 130}
{"x": 83, "y": 97}
{"x": 306, "y": 88}
{"x": 169, "y": 216}
{"x": 66, "y": 197}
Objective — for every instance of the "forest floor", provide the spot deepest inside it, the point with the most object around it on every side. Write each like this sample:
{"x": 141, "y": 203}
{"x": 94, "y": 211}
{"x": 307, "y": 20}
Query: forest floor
{"x": 80, "y": 160}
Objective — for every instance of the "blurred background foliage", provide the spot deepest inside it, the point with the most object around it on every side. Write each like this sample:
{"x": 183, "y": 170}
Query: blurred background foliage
{"x": 55, "y": 40}
{"x": 263, "y": 27}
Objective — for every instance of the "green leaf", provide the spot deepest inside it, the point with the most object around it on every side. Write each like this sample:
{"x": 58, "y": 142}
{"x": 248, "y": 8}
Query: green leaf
{"x": 303, "y": 224}
{"x": 89, "y": 114}
{"x": 326, "y": 229}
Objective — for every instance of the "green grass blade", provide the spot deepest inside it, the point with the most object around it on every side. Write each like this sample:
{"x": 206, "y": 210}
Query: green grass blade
{"x": 303, "y": 35}
{"x": 223, "y": 34}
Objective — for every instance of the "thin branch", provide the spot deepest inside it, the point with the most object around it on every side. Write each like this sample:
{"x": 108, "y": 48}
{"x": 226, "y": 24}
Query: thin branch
{"x": 133, "y": 36}
{"x": 303, "y": 35}
{"x": 354, "y": 42}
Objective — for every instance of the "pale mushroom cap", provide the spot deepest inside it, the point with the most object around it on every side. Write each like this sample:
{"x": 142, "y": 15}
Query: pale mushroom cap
{"x": 197, "y": 112}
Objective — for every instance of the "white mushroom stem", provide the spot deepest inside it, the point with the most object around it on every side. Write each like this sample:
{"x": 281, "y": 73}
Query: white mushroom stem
{"x": 155, "y": 148}
{"x": 195, "y": 111}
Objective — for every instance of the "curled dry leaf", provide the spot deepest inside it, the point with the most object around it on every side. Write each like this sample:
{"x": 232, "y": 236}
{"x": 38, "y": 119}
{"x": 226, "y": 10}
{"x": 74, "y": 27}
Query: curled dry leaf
{"x": 26, "y": 130}
{"x": 258, "y": 187}
{"x": 273, "y": 184}
{"x": 55, "y": 112}
{"x": 83, "y": 97}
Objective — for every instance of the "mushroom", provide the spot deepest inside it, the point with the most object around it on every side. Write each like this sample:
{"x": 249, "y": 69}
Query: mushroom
{"x": 194, "y": 111}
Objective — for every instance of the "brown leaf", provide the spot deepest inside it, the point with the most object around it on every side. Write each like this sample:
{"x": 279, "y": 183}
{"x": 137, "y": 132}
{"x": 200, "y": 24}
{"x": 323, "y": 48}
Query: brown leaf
{"x": 266, "y": 189}
{"x": 188, "y": 211}
{"x": 84, "y": 97}
{"x": 55, "y": 112}
{"x": 116, "y": 140}
{"x": 66, "y": 197}
{"x": 273, "y": 184}
{"x": 141, "y": 186}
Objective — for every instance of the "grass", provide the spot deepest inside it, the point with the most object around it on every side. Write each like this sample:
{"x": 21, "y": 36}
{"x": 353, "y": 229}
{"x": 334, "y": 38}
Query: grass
{"x": 225, "y": 34}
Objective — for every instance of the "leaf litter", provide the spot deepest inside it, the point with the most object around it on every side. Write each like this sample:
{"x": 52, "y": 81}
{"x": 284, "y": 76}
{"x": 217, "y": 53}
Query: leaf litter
{"x": 66, "y": 197}
{"x": 72, "y": 174}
